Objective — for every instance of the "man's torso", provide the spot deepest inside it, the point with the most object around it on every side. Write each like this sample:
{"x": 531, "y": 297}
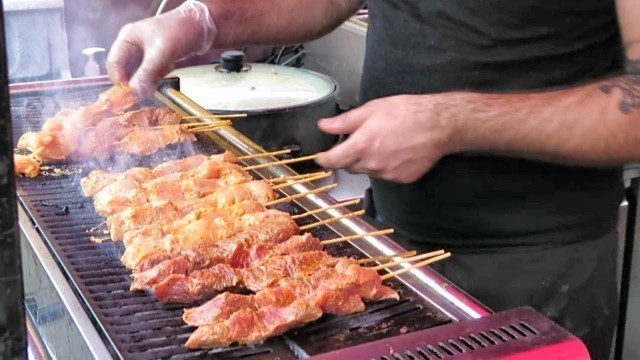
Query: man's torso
{"x": 426, "y": 46}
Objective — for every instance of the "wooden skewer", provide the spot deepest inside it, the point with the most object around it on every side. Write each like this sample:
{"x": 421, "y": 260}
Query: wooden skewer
{"x": 292, "y": 197}
{"x": 221, "y": 116}
{"x": 217, "y": 123}
{"x": 355, "y": 213}
{"x": 387, "y": 257}
{"x": 415, "y": 266}
{"x": 307, "y": 179}
{"x": 95, "y": 228}
{"x": 273, "y": 153}
{"x": 205, "y": 128}
{"x": 346, "y": 203}
{"x": 409, "y": 259}
{"x": 293, "y": 177}
{"x": 353, "y": 237}
{"x": 282, "y": 162}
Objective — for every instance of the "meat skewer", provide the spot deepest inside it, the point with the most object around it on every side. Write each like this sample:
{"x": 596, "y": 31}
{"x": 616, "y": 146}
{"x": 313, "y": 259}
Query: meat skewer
{"x": 202, "y": 232}
{"x": 145, "y": 141}
{"x": 248, "y": 319}
{"x": 169, "y": 288}
{"x": 59, "y": 137}
{"x": 297, "y": 300}
{"x": 100, "y": 130}
{"x": 148, "y": 213}
{"x": 178, "y": 188}
{"x": 258, "y": 275}
{"x": 98, "y": 179}
{"x": 268, "y": 226}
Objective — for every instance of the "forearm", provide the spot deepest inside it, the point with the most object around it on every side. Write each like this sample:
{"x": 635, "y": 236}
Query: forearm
{"x": 594, "y": 125}
{"x": 254, "y": 22}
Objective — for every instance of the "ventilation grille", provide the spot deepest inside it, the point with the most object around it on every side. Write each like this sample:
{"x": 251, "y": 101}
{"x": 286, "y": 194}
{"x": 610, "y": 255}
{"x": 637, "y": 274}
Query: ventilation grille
{"x": 466, "y": 344}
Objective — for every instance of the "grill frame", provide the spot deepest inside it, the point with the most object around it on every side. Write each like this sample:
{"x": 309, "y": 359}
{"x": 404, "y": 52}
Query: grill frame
{"x": 27, "y": 198}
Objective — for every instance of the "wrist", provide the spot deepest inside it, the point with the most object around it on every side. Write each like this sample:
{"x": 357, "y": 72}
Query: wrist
{"x": 453, "y": 111}
{"x": 195, "y": 23}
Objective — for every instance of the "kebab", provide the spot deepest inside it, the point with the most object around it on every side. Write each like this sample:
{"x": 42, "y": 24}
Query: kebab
{"x": 103, "y": 129}
{"x": 268, "y": 226}
{"x": 159, "y": 213}
{"x": 98, "y": 179}
{"x": 258, "y": 227}
{"x": 58, "y": 139}
{"x": 294, "y": 301}
{"x": 249, "y": 319}
{"x": 113, "y": 194}
{"x": 267, "y": 270}
{"x": 238, "y": 254}
{"x": 180, "y": 188}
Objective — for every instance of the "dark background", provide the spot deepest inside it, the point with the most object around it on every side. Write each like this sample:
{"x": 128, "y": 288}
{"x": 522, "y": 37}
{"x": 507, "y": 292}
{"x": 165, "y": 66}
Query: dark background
{"x": 12, "y": 327}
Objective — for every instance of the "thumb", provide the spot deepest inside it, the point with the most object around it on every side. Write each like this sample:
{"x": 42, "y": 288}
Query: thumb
{"x": 346, "y": 123}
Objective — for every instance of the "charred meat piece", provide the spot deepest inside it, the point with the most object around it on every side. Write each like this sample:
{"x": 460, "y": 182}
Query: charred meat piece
{"x": 25, "y": 166}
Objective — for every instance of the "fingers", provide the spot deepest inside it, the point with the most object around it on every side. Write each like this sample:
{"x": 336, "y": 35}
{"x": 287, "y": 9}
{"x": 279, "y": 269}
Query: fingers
{"x": 346, "y": 123}
{"x": 155, "y": 65}
{"x": 139, "y": 62}
{"x": 342, "y": 155}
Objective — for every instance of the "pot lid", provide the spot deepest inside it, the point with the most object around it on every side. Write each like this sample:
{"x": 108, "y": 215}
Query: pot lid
{"x": 240, "y": 87}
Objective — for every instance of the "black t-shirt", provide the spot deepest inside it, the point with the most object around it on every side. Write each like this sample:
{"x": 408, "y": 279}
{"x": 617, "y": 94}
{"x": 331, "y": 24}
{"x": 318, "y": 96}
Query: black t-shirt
{"x": 431, "y": 46}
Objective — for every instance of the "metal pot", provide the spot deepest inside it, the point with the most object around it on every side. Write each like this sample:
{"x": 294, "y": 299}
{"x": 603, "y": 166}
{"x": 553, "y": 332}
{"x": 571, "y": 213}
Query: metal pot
{"x": 283, "y": 104}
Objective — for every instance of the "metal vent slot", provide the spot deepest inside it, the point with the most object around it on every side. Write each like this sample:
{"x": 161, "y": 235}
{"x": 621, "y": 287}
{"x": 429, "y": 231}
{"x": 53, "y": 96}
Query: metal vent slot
{"x": 529, "y": 328}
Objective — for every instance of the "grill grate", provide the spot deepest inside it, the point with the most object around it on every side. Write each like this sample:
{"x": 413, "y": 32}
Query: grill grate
{"x": 135, "y": 325}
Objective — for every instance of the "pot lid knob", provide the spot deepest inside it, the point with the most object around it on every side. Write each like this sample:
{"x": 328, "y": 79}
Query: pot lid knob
{"x": 232, "y": 60}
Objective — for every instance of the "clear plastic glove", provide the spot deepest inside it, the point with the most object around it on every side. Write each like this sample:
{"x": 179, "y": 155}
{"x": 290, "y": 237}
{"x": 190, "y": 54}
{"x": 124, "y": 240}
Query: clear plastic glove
{"x": 145, "y": 51}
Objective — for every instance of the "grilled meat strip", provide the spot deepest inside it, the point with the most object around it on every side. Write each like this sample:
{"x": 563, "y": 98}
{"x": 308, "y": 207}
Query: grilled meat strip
{"x": 59, "y": 139}
{"x": 190, "y": 286}
{"x": 179, "y": 188}
{"x": 269, "y": 226}
{"x": 235, "y": 254}
{"x": 146, "y": 141}
{"x": 123, "y": 225}
{"x": 98, "y": 179}
{"x": 244, "y": 319}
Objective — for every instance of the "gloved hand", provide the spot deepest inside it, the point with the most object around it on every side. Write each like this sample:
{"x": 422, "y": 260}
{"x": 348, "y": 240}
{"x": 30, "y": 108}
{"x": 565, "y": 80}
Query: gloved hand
{"x": 145, "y": 51}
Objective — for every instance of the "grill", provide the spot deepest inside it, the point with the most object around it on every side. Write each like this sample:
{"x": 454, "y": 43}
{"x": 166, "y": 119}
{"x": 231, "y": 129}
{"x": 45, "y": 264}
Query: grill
{"x": 135, "y": 325}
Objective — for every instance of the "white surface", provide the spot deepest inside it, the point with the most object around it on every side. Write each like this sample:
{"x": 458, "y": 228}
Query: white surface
{"x": 15, "y": 5}
{"x": 262, "y": 87}
{"x": 36, "y": 43}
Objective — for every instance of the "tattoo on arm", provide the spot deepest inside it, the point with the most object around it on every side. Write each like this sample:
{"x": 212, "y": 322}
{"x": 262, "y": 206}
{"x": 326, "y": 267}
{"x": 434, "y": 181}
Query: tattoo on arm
{"x": 628, "y": 85}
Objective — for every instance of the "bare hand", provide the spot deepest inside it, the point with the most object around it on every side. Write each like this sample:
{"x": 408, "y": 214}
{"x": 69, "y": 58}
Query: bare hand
{"x": 397, "y": 138}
